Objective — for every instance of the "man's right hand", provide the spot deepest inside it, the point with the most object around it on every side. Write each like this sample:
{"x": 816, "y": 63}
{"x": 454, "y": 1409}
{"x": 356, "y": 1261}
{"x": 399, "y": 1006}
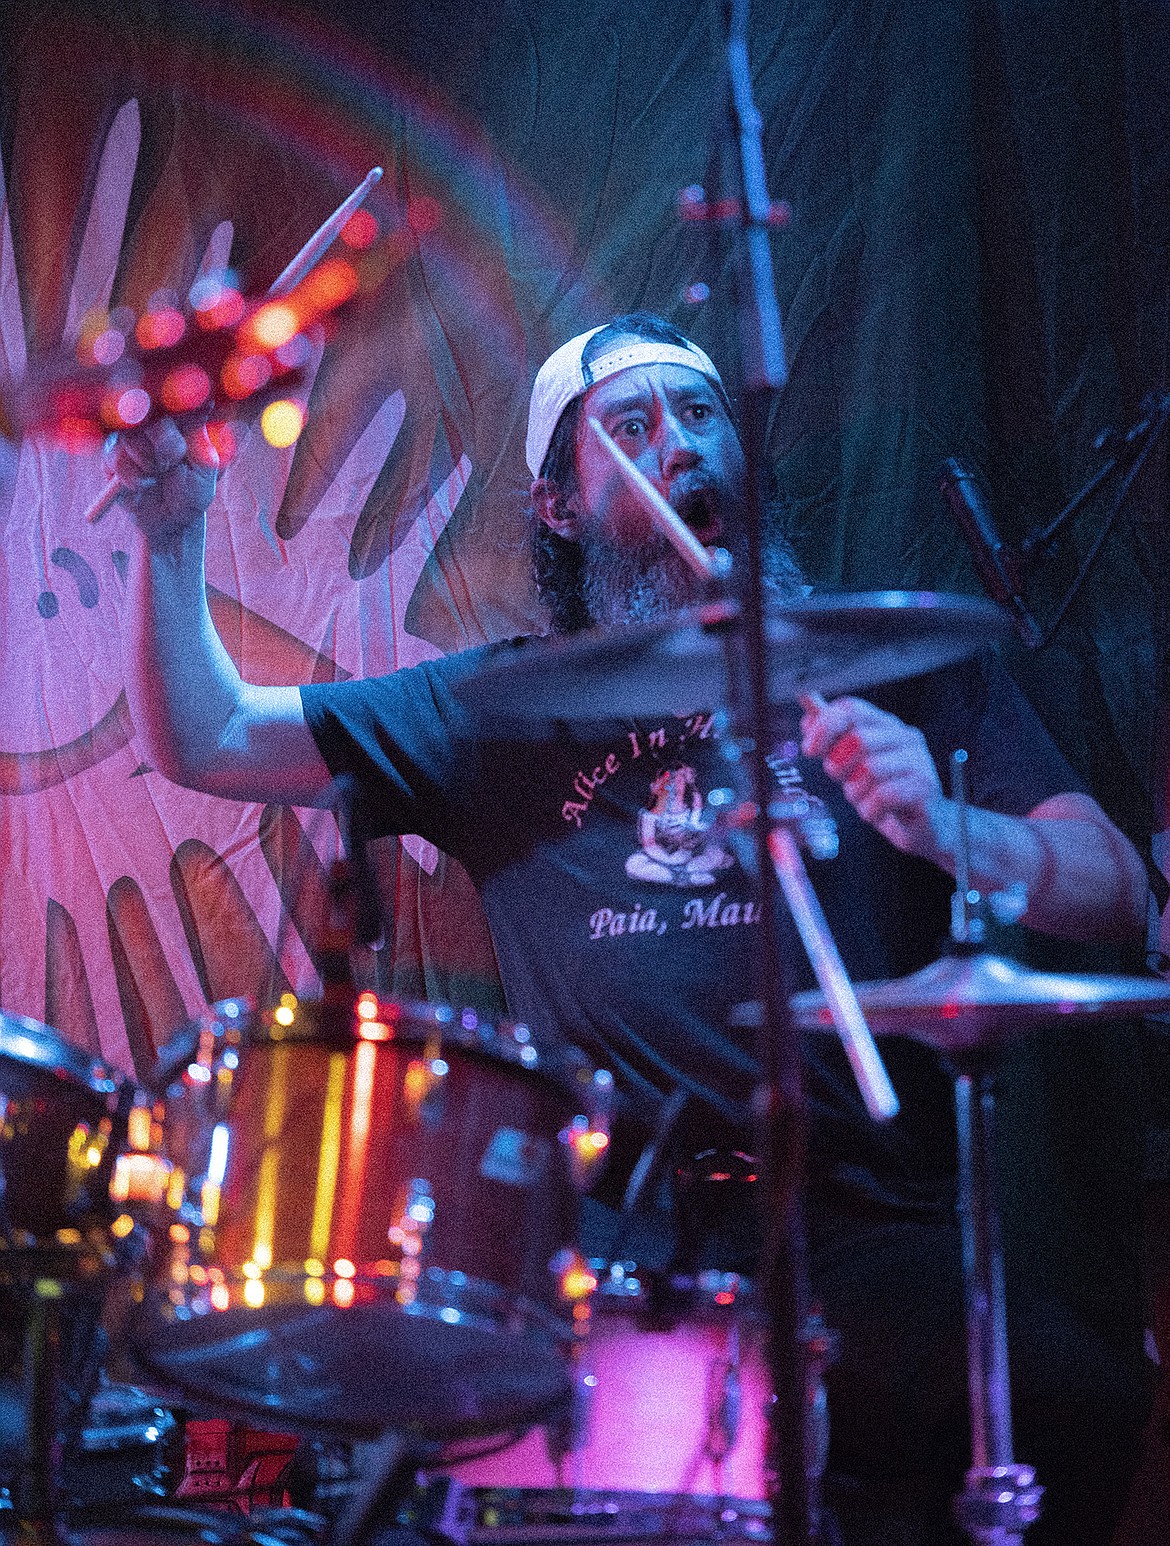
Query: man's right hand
{"x": 167, "y": 478}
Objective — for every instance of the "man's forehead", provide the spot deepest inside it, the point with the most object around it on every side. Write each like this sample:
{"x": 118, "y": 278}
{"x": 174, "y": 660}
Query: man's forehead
{"x": 643, "y": 382}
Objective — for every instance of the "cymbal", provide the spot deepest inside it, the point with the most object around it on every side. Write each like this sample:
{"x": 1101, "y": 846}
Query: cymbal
{"x": 966, "y": 1001}
{"x": 826, "y": 644}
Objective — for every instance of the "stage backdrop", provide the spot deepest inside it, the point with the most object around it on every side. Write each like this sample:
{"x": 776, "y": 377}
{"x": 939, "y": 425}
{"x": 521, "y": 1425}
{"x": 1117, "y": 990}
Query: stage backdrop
{"x": 976, "y": 265}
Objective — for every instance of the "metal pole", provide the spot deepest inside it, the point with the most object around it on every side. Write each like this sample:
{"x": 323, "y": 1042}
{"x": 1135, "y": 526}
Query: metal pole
{"x": 999, "y": 1498}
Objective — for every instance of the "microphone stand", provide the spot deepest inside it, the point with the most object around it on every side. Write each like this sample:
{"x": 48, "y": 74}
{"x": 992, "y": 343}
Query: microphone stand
{"x": 1130, "y": 449}
{"x": 793, "y": 1483}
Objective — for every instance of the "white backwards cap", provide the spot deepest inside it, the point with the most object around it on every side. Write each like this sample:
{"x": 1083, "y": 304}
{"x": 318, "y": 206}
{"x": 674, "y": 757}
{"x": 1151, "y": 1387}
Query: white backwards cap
{"x": 563, "y": 377}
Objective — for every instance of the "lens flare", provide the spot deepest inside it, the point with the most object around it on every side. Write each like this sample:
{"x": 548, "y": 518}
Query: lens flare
{"x": 184, "y": 388}
{"x": 282, "y": 422}
{"x": 160, "y": 329}
{"x": 360, "y": 230}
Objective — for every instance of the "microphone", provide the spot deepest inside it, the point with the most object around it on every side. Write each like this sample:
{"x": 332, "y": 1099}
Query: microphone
{"x": 994, "y": 563}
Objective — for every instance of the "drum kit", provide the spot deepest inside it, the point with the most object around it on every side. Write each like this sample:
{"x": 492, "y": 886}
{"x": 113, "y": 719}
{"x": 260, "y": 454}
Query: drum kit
{"x": 353, "y": 1217}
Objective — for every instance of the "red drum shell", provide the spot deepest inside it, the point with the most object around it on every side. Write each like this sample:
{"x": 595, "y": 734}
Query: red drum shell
{"x": 375, "y": 1216}
{"x": 59, "y": 1121}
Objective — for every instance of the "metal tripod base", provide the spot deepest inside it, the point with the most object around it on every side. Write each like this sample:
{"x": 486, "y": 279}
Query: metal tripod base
{"x": 998, "y": 1503}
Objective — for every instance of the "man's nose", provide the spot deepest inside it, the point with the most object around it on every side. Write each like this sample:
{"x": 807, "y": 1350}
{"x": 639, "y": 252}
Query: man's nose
{"x": 677, "y": 450}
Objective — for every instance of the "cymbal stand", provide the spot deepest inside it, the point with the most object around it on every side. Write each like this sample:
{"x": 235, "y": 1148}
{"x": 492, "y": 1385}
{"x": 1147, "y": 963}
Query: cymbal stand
{"x": 385, "y": 1482}
{"x": 794, "y": 1480}
{"x": 1000, "y": 1498}
{"x": 43, "y": 1279}
{"x": 39, "y": 1492}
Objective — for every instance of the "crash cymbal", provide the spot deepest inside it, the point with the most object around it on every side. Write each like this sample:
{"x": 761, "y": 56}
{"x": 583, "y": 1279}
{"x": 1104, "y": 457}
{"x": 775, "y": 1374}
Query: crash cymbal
{"x": 964, "y": 1001}
{"x": 825, "y": 644}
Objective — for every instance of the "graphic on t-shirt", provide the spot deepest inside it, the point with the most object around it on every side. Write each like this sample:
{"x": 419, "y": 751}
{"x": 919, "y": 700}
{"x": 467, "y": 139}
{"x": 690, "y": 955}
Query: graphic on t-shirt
{"x": 678, "y": 843}
{"x": 804, "y": 814}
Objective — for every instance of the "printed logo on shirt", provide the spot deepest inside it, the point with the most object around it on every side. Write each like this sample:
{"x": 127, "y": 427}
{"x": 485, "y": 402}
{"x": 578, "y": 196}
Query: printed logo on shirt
{"x": 677, "y": 843}
{"x": 679, "y": 847}
{"x": 639, "y": 743}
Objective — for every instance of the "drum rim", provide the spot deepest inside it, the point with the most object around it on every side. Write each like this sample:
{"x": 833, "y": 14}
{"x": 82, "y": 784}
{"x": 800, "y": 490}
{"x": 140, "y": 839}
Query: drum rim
{"x": 495, "y": 1040}
{"x": 27, "y": 1041}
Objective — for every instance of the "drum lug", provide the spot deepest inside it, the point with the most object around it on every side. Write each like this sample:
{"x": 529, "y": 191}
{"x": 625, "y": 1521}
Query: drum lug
{"x": 724, "y": 1397}
{"x": 444, "y": 1517}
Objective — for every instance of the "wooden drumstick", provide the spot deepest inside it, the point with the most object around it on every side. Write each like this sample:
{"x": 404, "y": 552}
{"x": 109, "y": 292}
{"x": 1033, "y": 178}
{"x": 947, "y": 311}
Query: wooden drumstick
{"x": 881, "y": 1101}
{"x": 287, "y": 280}
{"x": 313, "y": 249}
{"x": 864, "y": 1058}
{"x": 668, "y": 521}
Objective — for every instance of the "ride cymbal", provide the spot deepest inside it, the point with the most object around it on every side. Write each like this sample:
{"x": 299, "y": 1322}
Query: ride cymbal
{"x": 826, "y": 644}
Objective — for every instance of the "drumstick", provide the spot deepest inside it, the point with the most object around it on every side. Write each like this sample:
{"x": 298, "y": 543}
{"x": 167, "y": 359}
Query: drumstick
{"x": 668, "y": 521}
{"x": 672, "y": 525}
{"x": 865, "y": 1060}
{"x": 289, "y": 277}
{"x": 311, "y": 252}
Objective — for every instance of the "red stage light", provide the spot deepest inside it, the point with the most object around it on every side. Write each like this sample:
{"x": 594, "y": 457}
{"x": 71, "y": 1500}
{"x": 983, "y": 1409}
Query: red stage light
{"x": 274, "y": 324}
{"x": 329, "y": 285}
{"x": 243, "y": 374}
{"x": 184, "y": 388}
{"x": 79, "y": 435}
{"x": 160, "y": 329}
{"x": 360, "y": 230}
{"x": 127, "y": 408}
{"x": 222, "y": 438}
{"x": 221, "y": 307}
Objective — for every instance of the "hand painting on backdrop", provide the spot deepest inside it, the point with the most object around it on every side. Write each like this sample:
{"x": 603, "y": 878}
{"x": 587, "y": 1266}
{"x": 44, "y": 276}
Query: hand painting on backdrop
{"x": 147, "y": 920}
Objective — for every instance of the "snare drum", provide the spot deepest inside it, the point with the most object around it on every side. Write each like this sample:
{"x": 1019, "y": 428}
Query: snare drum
{"x": 371, "y": 1216}
{"x": 59, "y": 1131}
{"x": 667, "y": 1436}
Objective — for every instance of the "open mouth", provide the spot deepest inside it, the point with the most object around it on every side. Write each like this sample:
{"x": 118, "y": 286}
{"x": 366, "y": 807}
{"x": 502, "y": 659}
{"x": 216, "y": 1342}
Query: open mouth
{"x": 697, "y": 510}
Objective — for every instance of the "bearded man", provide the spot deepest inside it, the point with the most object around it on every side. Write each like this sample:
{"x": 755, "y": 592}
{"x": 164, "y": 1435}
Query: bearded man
{"x": 641, "y": 961}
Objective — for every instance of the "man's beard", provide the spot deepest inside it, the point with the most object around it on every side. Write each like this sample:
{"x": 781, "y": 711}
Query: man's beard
{"x": 640, "y": 583}
{"x": 622, "y": 584}
{"x": 596, "y": 582}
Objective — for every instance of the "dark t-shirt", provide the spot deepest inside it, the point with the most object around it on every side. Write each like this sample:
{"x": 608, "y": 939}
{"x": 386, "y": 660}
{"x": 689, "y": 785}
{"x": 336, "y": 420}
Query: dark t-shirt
{"x": 625, "y": 924}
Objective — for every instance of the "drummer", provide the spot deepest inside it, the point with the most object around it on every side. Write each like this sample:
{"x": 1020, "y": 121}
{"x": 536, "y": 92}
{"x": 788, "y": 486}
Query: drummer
{"x": 622, "y": 920}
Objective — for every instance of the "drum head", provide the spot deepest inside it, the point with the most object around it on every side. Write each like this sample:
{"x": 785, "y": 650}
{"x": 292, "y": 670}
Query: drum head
{"x": 365, "y": 1369}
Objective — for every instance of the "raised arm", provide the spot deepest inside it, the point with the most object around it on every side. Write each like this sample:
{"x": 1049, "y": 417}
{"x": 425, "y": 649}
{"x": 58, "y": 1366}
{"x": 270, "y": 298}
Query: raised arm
{"x": 200, "y": 724}
{"x": 1083, "y": 877}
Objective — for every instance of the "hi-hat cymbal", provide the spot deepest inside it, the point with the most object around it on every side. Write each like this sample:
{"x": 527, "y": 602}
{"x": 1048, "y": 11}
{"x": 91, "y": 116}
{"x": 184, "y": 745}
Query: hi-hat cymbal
{"x": 825, "y": 644}
{"x": 966, "y": 1001}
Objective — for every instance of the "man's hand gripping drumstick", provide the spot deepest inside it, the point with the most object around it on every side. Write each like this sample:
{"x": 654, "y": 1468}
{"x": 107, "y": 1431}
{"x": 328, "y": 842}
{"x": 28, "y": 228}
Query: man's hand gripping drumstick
{"x": 284, "y": 283}
{"x": 877, "y": 1091}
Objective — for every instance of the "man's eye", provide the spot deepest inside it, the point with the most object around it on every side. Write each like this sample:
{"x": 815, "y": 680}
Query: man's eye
{"x": 700, "y": 411}
{"x": 631, "y": 427}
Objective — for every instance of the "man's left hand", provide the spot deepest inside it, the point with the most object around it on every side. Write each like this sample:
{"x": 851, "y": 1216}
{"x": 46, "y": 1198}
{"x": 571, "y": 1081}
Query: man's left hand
{"x": 883, "y": 767}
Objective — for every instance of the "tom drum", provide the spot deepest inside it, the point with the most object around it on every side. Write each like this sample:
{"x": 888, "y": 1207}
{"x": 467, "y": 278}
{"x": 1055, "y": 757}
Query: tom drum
{"x": 370, "y": 1216}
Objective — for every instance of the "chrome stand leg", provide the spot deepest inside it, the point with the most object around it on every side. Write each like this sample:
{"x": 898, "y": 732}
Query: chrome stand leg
{"x": 999, "y": 1498}
{"x": 37, "y": 1494}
